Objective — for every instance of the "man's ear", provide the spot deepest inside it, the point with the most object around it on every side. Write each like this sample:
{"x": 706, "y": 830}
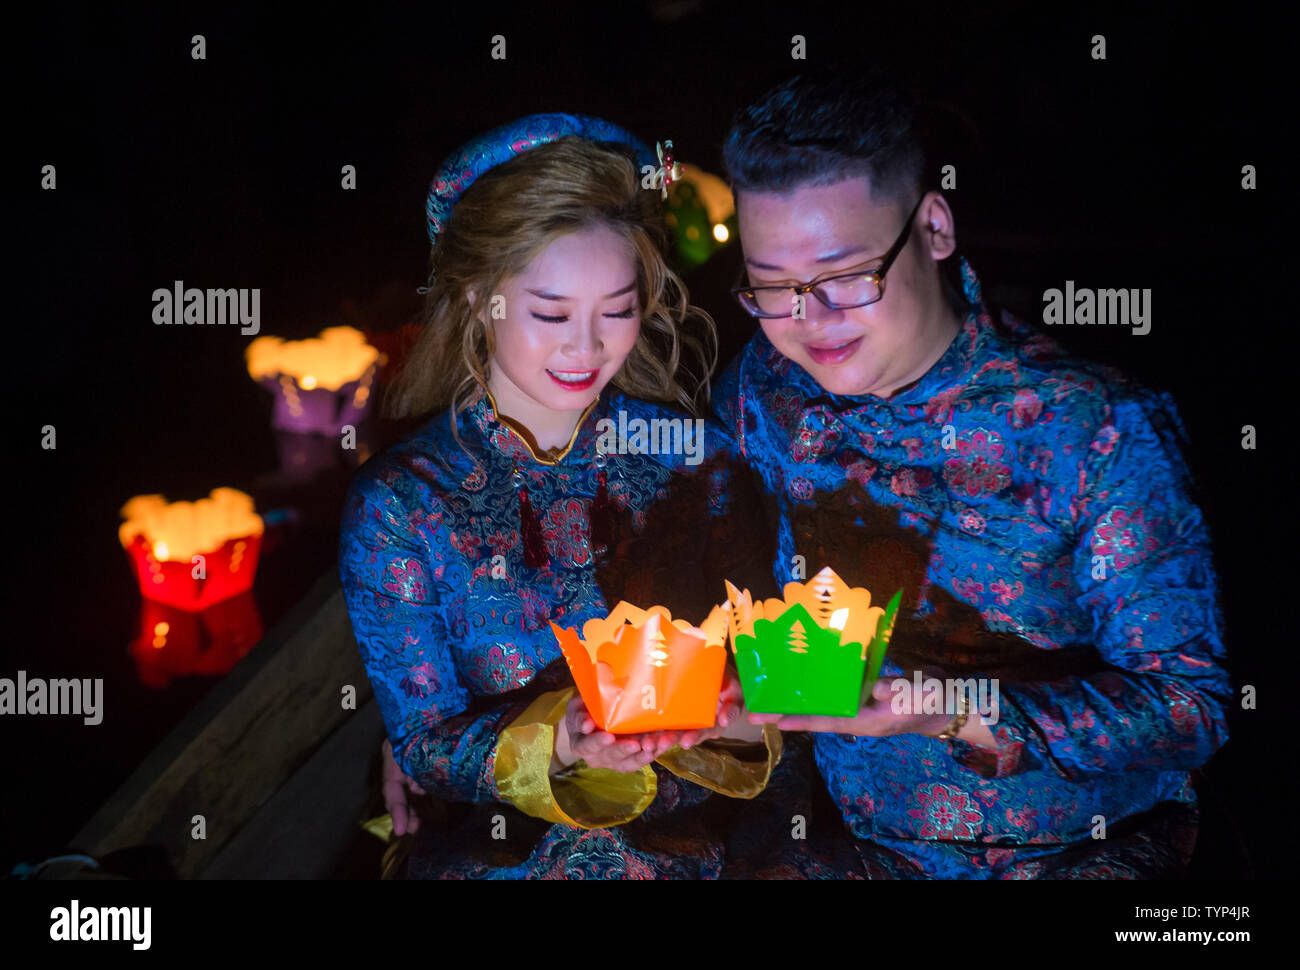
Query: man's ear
{"x": 938, "y": 229}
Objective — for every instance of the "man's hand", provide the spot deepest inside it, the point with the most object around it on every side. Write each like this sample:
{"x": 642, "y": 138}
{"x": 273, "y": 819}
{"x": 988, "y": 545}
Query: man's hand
{"x": 396, "y": 785}
{"x": 876, "y": 719}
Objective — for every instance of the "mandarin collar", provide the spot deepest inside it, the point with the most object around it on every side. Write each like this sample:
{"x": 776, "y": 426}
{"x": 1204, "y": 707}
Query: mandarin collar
{"x": 500, "y": 437}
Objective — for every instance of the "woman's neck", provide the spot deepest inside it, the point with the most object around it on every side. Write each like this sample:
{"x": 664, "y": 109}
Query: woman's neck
{"x": 543, "y": 428}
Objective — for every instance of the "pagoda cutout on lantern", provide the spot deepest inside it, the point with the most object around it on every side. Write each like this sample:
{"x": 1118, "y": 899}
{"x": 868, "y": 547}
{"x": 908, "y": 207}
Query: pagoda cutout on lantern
{"x": 640, "y": 670}
{"x": 319, "y": 384}
{"x": 192, "y": 554}
{"x": 817, "y": 651}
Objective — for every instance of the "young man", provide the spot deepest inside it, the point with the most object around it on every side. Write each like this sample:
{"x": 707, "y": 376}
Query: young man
{"x": 1034, "y": 509}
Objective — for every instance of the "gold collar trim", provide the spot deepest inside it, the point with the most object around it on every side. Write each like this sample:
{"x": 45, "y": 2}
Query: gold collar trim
{"x": 551, "y": 457}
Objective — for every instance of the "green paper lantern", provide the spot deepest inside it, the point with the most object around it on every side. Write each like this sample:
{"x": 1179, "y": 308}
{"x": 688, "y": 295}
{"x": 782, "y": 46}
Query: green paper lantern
{"x": 796, "y": 665}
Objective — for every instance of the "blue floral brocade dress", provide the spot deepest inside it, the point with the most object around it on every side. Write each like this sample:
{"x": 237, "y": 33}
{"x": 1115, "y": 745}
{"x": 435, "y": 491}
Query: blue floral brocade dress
{"x": 454, "y": 632}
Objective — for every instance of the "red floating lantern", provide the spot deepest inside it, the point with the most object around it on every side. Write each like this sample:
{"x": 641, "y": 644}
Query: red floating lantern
{"x": 192, "y": 554}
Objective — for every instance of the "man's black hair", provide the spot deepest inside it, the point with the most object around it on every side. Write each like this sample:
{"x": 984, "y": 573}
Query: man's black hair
{"x": 822, "y": 128}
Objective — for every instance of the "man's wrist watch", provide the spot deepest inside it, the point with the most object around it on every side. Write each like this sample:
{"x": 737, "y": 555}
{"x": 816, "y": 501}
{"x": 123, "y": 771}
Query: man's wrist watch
{"x": 957, "y": 723}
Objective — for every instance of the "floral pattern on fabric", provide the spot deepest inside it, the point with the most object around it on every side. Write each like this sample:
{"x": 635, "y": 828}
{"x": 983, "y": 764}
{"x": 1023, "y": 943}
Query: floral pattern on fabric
{"x": 454, "y": 630}
{"x": 1038, "y": 514}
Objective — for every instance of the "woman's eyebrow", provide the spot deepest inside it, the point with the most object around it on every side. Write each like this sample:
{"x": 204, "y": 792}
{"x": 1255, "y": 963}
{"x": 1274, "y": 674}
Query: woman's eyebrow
{"x": 547, "y": 295}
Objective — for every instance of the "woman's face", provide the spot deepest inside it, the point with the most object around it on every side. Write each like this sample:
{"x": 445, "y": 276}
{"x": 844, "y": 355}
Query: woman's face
{"x": 564, "y": 328}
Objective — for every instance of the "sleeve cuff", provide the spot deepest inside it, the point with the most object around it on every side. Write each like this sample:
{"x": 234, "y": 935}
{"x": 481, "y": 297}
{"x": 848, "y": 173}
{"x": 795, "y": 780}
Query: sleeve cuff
{"x": 584, "y": 797}
{"x": 722, "y": 771}
{"x": 1013, "y": 754}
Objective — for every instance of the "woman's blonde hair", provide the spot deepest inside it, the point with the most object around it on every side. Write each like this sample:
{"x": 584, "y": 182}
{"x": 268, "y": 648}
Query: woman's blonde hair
{"x": 500, "y": 225}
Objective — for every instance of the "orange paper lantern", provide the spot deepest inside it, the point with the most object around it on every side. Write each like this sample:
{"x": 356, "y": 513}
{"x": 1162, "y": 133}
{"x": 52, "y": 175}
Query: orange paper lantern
{"x": 641, "y": 670}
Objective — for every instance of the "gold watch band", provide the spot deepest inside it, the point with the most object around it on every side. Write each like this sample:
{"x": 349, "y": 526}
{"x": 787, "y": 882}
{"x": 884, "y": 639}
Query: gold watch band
{"x": 957, "y": 723}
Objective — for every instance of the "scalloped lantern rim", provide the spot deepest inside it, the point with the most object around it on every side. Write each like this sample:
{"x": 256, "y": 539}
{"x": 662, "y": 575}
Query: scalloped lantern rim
{"x": 189, "y": 529}
{"x": 334, "y": 358}
{"x": 617, "y": 672}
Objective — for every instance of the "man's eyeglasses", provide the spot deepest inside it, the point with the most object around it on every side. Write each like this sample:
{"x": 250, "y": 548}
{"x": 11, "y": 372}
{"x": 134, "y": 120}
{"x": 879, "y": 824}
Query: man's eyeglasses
{"x": 843, "y": 291}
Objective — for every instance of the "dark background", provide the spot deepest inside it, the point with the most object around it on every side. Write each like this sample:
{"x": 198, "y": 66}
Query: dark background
{"x": 225, "y": 173}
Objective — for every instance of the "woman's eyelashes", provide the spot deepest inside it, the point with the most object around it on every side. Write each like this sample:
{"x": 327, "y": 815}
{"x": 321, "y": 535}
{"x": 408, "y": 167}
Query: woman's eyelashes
{"x": 620, "y": 315}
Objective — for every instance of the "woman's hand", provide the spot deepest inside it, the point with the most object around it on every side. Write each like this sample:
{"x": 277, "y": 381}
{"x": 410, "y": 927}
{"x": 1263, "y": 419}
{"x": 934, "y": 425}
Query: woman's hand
{"x": 396, "y": 785}
{"x": 578, "y": 738}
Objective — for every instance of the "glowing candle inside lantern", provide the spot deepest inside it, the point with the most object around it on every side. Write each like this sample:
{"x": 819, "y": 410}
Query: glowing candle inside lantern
{"x": 192, "y": 554}
{"x": 320, "y": 384}
{"x": 816, "y": 651}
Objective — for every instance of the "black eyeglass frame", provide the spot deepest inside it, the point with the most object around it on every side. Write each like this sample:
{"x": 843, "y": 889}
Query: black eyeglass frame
{"x": 744, "y": 293}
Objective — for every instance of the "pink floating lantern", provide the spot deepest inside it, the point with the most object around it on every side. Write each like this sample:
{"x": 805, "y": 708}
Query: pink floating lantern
{"x": 320, "y": 384}
{"x": 192, "y": 554}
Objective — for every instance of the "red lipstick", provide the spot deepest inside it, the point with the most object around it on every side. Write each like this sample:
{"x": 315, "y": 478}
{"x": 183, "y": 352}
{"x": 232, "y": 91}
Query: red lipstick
{"x": 585, "y": 379}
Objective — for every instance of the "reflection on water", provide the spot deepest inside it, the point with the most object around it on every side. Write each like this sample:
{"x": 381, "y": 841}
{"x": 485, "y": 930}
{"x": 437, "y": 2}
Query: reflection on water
{"x": 180, "y": 643}
{"x": 304, "y": 457}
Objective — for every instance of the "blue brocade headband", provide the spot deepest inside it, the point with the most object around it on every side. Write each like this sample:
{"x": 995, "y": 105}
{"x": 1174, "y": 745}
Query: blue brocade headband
{"x": 489, "y": 150}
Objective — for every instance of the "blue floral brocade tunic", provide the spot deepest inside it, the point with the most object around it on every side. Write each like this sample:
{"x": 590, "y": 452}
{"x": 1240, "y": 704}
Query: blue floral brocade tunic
{"x": 1038, "y": 514}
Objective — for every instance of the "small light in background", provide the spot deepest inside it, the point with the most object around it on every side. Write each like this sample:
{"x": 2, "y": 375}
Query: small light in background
{"x": 320, "y": 384}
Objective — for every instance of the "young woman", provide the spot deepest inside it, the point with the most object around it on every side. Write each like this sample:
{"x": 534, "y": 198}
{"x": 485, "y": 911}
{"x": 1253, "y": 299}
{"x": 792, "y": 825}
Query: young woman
{"x": 551, "y": 319}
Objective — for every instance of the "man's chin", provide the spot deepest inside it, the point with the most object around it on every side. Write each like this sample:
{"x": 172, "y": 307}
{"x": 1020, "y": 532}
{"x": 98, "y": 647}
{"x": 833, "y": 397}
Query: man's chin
{"x": 837, "y": 380}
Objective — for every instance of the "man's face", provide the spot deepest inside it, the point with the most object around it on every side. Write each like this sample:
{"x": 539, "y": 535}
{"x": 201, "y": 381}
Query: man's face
{"x": 814, "y": 230}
